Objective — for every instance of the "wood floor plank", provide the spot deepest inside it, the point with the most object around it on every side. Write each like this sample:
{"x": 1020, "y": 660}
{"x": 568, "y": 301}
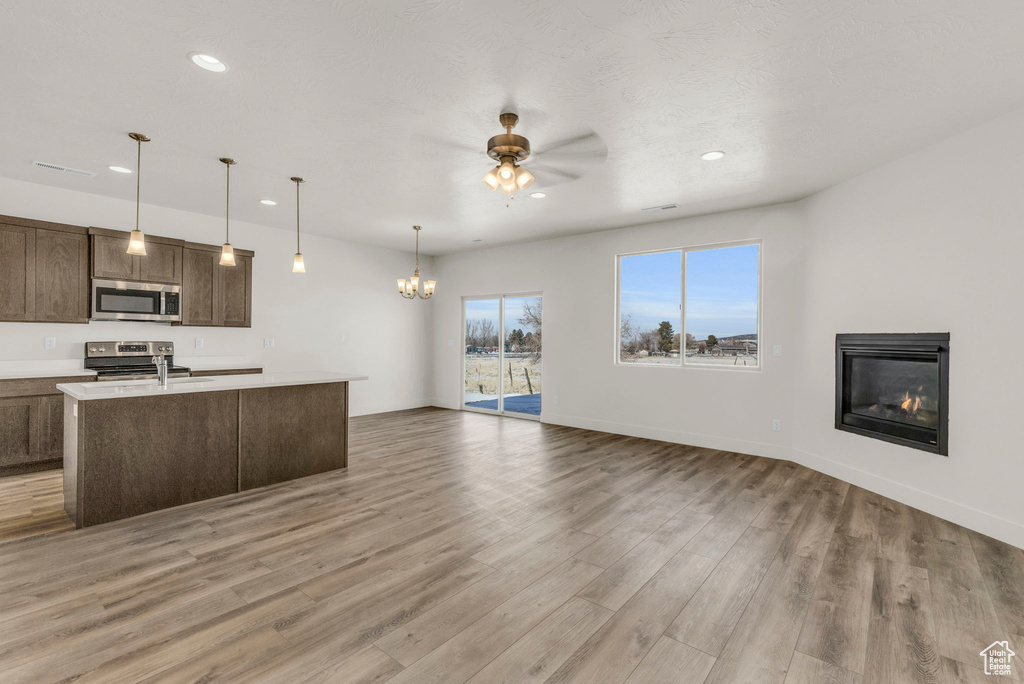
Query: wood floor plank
{"x": 836, "y": 627}
{"x": 671, "y": 661}
{"x": 804, "y": 669}
{"x": 545, "y": 647}
{"x": 617, "y": 584}
{"x": 860, "y": 515}
{"x": 465, "y": 654}
{"x": 901, "y": 635}
{"x": 611, "y": 655}
{"x": 710, "y": 617}
{"x": 761, "y": 646}
{"x": 1002, "y": 567}
{"x": 434, "y": 627}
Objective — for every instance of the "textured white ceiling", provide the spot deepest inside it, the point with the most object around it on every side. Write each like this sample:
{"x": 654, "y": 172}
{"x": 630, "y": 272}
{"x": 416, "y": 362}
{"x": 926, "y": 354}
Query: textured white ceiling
{"x": 385, "y": 106}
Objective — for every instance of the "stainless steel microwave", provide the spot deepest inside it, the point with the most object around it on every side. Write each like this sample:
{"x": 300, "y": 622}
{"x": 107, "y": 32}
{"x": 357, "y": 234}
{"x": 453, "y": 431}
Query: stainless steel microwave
{"x": 120, "y": 300}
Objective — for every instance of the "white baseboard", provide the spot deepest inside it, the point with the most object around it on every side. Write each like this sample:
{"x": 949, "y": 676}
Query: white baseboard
{"x": 388, "y": 407}
{"x": 971, "y": 518}
{"x": 740, "y": 446}
{"x": 967, "y": 516}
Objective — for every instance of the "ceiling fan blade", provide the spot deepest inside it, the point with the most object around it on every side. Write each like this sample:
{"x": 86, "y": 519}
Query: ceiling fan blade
{"x": 541, "y": 169}
{"x": 586, "y": 145}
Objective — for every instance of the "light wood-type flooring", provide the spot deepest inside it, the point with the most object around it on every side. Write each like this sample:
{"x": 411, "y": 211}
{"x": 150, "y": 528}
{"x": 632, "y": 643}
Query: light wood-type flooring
{"x": 461, "y": 547}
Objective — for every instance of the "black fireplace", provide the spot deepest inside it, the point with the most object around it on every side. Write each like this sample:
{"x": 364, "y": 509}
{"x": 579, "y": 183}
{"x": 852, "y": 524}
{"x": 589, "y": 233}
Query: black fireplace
{"x": 894, "y": 387}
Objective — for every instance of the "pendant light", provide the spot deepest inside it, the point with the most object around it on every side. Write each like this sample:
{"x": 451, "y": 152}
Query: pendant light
{"x": 137, "y": 240}
{"x": 298, "y": 266}
{"x": 410, "y": 287}
{"x": 227, "y": 252}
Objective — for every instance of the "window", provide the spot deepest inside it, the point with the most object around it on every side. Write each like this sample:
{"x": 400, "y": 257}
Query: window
{"x": 707, "y": 317}
{"x": 650, "y": 308}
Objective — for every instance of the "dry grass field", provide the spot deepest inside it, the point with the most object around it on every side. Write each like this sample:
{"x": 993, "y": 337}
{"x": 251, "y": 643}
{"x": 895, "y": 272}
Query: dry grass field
{"x": 482, "y": 375}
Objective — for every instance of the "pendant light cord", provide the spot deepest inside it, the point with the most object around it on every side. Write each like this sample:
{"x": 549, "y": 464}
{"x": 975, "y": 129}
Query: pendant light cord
{"x": 138, "y": 183}
{"x": 227, "y": 208}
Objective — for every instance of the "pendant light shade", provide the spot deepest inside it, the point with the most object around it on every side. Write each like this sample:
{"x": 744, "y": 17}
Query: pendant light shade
{"x": 227, "y": 252}
{"x": 137, "y": 239}
{"x": 298, "y": 265}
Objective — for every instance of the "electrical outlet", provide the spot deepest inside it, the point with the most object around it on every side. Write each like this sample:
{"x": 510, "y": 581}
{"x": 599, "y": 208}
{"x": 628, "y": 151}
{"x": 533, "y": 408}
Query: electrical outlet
{"x": 554, "y": 400}
{"x": 776, "y": 425}
{"x": 451, "y": 342}
{"x": 777, "y": 350}
{"x": 199, "y": 343}
{"x": 412, "y": 387}
{"x": 74, "y": 409}
{"x": 50, "y": 342}
{"x": 268, "y": 342}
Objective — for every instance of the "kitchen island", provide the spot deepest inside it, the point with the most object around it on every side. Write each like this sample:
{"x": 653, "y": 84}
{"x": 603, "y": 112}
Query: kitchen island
{"x": 135, "y": 447}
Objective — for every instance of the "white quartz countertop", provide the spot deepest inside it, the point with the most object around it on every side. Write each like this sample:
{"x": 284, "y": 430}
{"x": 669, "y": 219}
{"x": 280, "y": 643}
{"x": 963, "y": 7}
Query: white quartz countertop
{"x": 149, "y": 388}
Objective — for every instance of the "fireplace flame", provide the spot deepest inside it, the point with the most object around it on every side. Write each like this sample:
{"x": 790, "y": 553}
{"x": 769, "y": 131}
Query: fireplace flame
{"x": 911, "y": 404}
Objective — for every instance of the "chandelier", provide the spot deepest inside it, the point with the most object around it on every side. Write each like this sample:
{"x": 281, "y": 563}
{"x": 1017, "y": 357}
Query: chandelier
{"x": 410, "y": 287}
{"x": 508, "y": 148}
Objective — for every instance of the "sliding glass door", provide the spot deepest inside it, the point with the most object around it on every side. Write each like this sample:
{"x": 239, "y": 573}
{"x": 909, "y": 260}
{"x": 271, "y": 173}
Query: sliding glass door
{"x": 502, "y": 362}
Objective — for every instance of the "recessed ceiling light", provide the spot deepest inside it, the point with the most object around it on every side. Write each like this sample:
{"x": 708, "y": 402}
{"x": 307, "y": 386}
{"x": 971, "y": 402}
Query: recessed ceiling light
{"x": 269, "y": 203}
{"x": 207, "y": 62}
{"x": 538, "y": 195}
{"x": 713, "y": 155}
{"x": 119, "y": 169}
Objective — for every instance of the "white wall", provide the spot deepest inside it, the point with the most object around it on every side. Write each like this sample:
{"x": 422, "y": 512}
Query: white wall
{"x": 720, "y": 407}
{"x": 932, "y": 242}
{"x": 343, "y": 314}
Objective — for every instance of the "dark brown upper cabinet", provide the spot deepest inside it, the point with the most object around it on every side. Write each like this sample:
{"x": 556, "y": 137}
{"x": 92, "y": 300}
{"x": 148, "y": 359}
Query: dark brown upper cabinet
{"x": 44, "y": 271}
{"x": 215, "y": 295}
{"x": 110, "y": 261}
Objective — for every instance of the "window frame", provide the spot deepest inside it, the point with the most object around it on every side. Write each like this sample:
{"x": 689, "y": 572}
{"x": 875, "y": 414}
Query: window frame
{"x": 683, "y": 251}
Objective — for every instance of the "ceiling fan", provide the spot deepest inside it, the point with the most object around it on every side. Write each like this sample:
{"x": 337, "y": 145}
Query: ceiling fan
{"x": 562, "y": 161}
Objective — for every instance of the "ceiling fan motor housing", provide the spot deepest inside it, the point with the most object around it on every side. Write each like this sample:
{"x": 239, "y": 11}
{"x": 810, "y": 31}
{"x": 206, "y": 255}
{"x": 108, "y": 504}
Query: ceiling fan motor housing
{"x": 508, "y": 144}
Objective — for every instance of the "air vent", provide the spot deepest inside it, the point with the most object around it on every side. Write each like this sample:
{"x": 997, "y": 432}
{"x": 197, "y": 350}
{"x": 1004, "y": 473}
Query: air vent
{"x": 65, "y": 169}
{"x": 664, "y": 207}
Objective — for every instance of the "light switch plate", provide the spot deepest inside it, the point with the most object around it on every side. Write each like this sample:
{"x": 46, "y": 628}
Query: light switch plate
{"x": 50, "y": 342}
{"x": 268, "y": 342}
{"x": 777, "y": 350}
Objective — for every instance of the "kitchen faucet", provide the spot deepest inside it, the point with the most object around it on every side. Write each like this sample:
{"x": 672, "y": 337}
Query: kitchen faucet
{"x": 161, "y": 370}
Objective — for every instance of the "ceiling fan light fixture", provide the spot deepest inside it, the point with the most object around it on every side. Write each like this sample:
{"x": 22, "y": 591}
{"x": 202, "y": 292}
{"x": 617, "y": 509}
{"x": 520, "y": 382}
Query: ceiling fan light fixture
{"x": 507, "y": 171}
{"x": 523, "y": 178}
{"x": 492, "y": 179}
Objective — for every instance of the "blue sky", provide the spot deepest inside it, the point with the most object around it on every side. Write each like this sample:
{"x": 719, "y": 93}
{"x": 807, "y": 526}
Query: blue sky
{"x": 721, "y": 290}
{"x": 488, "y": 308}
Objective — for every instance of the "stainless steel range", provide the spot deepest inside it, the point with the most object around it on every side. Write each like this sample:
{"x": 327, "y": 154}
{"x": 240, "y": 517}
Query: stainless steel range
{"x": 130, "y": 360}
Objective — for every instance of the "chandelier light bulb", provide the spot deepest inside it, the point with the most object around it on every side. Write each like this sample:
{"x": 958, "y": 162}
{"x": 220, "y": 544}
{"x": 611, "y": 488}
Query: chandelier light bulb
{"x": 506, "y": 171}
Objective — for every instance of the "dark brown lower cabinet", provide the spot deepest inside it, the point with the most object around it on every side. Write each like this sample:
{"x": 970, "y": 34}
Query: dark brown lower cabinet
{"x": 32, "y": 424}
{"x": 133, "y": 455}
